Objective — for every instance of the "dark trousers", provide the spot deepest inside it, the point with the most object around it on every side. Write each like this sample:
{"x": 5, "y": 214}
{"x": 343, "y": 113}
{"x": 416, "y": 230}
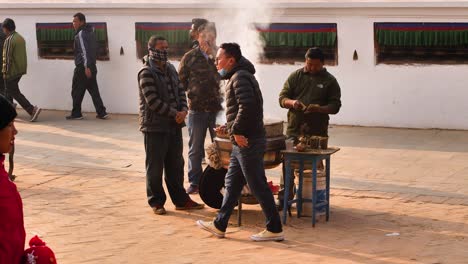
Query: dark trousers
{"x": 198, "y": 124}
{"x": 164, "y": 153}
{"x": 246, "y": 165}
{"x": 80, "y": 85}
{"x": 13, "y": 92}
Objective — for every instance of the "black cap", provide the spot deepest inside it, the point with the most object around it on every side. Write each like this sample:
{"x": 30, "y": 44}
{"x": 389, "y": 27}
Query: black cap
{"x": 7, "y": 112}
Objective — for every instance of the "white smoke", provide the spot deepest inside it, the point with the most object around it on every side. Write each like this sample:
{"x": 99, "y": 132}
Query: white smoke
{"x": 235, "y": 20}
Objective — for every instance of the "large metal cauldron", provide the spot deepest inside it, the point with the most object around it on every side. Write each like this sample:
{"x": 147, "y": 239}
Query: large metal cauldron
{"x": 275, "y": 142}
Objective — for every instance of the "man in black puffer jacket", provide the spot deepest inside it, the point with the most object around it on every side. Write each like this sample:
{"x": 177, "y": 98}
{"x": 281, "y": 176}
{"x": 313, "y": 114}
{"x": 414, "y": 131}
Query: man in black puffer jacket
{"x": 244, "y": 115}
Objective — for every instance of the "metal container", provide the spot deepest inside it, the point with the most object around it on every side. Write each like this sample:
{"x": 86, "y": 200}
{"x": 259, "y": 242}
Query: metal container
{"x": 275, "y": 142}
{"x": 272, "y": 129}
{"x": 271, "y": 159}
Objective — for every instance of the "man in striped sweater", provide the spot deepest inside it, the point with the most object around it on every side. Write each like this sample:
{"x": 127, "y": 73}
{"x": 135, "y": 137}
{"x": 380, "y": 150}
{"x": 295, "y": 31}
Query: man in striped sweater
{"x": 163, "y": 108}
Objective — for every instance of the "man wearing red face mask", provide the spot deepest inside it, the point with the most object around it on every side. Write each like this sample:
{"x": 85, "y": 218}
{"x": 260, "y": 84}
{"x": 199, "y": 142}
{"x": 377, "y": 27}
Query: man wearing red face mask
{"x": 12, "y": 232}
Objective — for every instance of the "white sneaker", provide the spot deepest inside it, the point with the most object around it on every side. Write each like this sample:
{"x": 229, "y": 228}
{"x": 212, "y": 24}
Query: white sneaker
{"x": 35, "y": 114}
{"x": 210, "y": 227}
{"x": 266, "y": 235}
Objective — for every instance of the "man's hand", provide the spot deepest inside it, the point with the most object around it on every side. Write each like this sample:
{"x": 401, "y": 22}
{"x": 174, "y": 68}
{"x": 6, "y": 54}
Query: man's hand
{"x": 221, "y": 130}
{"x": 312, "y": 108}
{"x": 241, "y": 141}
{"x": 180, "y": 117}
{"x": 298, "y": 105}
{"x": 88, "y": 73}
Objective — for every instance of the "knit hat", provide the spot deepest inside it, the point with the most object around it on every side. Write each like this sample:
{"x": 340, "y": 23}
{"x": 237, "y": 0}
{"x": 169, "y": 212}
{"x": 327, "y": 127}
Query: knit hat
{"x": 7, "y": 112}
{"x": 38, "y": 253}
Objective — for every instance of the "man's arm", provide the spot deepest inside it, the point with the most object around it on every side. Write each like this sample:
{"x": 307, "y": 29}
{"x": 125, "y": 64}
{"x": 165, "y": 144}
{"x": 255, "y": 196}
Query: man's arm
{"x": 184, "y": 74}
{"x": 180, "y": 117}
{"x": 286, "y": 99}
{"x": 149, "y": 91}
{"x": 245, "y": 98}
{"x": 8, "y": 48}
{"x": 85, "y": 45}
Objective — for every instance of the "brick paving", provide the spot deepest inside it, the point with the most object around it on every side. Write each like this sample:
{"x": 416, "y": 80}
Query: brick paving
{"x": 83, "y": 190}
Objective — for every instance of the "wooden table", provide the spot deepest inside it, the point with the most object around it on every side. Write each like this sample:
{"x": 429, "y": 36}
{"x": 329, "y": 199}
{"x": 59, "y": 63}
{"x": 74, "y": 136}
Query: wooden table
{"x": 314, "y": 156}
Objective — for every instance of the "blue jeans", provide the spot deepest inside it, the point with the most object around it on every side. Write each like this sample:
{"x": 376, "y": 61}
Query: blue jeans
{"x": 246, "y": 165}
{"x": 198, "y": 124}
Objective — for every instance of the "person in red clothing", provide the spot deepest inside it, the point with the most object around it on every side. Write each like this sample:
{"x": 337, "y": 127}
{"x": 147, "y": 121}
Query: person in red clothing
{"x": 12, "y": 234}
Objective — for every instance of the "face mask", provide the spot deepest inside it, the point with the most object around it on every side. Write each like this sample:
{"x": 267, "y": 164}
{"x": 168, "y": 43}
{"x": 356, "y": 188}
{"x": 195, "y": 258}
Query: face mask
{"x": 222, "y": 72}
{"x": 158, "y": 55}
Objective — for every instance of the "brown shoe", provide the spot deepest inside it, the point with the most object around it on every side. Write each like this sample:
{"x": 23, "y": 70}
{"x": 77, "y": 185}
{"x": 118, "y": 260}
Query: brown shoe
{"x": 159, "y": 210}
{"x": 190, "y": 205}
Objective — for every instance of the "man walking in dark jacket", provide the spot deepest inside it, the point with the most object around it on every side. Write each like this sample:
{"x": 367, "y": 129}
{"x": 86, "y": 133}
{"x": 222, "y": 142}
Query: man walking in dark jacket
{"x": 163, "y": 107}
{"x": 244, "y": 114}
{"x": 84, "y": 76}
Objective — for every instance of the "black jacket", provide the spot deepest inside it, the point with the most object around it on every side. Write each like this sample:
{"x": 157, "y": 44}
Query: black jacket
{"x": 244, "y": 102}
{"x": 85, "y": 46}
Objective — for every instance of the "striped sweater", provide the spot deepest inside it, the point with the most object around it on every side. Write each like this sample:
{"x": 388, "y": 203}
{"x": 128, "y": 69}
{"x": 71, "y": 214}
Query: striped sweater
{"x": 160, "y": 98}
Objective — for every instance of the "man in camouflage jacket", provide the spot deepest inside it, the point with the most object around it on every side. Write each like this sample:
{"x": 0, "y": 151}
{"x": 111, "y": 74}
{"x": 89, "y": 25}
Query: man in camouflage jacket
{"x": 200, "y": 79}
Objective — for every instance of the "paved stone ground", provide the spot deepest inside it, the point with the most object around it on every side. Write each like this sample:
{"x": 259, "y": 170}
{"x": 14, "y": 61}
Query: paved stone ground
{"x": 83, "y": 190}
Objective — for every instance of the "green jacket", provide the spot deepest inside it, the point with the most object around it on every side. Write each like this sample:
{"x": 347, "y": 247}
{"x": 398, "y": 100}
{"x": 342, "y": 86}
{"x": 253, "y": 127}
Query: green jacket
{"x": 322, "y": 89}
{"x": 15, "y": 60}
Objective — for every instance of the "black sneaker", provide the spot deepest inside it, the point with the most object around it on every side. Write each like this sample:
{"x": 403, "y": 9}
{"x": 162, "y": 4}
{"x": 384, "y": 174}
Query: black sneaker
{"x": 103, "y": 117}
{"x": 71, "y": 117}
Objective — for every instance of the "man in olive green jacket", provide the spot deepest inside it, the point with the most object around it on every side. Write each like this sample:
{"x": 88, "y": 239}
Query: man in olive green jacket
{"x": 311, "y": 94}
{"x": 14, "y": 67}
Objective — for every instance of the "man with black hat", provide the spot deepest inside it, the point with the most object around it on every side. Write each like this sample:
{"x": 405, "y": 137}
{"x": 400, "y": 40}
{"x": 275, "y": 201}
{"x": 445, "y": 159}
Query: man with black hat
{"x": 14, "y": 66}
